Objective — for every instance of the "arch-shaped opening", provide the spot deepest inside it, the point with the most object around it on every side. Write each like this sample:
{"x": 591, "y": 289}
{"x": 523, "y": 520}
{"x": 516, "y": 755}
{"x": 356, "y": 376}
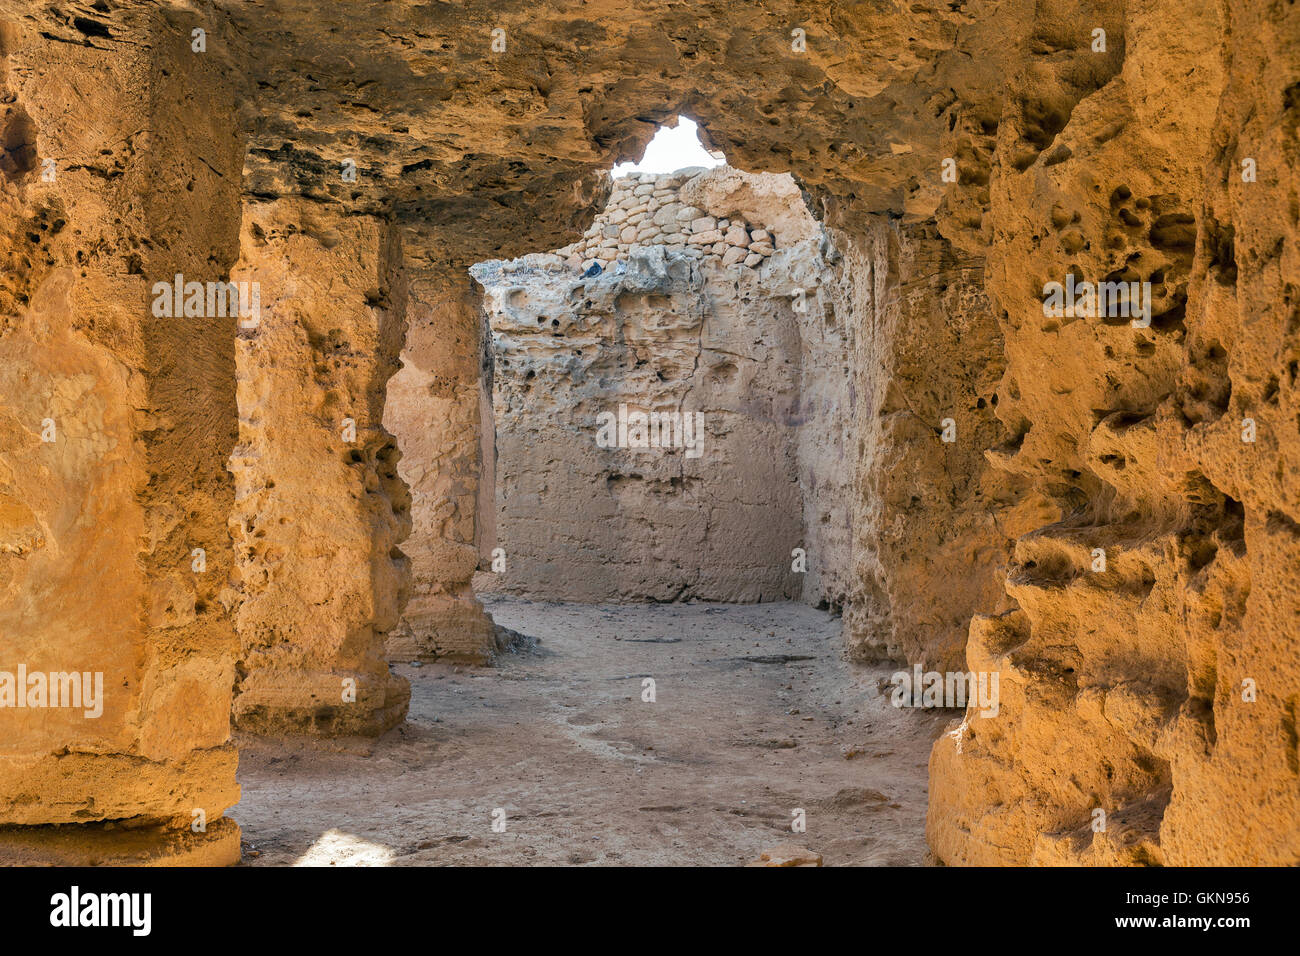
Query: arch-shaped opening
{"x": 675, "y": 145}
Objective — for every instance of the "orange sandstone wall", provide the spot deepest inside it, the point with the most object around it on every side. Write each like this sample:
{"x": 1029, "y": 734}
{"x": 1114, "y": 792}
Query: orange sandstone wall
{"x": 320, "y": 509}
{"x": 120, "y": 169}
{"x": 1148, "y": 706}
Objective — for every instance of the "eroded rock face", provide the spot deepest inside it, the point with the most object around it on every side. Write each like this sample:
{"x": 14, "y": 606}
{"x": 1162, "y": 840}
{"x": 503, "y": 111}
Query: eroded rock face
{"x": 471, "y": 142}
{"x": 899, "y": 320}
{"x": 439, "y": 411}
{"x": 1120, "y": 163}
{"x": 115, "y": 425}
{"x": 319, "y": 507}
{"x": 1165, "y": 678}
{"x": 930, "y": 520}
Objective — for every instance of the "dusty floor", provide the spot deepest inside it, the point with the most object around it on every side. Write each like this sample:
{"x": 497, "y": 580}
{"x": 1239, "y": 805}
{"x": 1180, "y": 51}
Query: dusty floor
{"x": 755, "y": 715}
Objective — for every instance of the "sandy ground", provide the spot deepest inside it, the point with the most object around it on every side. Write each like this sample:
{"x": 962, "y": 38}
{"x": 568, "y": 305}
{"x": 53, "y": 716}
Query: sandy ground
{"x": 755, "y": 716}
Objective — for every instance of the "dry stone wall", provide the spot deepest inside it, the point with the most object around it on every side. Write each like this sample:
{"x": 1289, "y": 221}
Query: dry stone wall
{"x": 646, "y": 210}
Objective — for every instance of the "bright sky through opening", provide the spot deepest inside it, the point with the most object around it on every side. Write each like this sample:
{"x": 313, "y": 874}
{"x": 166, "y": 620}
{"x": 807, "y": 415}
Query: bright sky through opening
{"x": 671, "y": 150}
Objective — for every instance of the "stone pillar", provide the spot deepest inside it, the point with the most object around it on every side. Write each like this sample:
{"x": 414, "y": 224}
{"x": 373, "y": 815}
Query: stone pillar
{"x": 119, "y": 169}
{"x": 930, "y": 518}
{"x": 320, "y": 509}
{"x": 437, "y": 411}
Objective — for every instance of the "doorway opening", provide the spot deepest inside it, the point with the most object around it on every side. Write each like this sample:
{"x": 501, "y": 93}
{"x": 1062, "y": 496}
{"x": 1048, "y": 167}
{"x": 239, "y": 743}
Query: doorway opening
{"x": 659, "y": 496}
{"x": 670, "y": 395}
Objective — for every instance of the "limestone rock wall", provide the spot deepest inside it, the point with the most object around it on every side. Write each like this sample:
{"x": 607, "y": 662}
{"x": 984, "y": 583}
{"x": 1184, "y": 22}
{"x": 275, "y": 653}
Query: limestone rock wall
{"x": 884, "y": 337}
{"x": 1165, "y": 680}
{"x": 115, "y": 426}
{"x": 929, "y": 518}
{"x": 1123, "y": 162}
{"x": 678, "y": 318}
{"x": 807, "y": 274}
{"x": 664, "y": 333}
{"x": 320, "y": 509}
{"x": 810, "y": 275}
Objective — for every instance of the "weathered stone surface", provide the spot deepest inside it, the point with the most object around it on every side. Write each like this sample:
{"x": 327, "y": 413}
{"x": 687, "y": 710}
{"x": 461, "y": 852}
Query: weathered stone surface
{"x": 116, "y": 425}
{"x": 661, "y": 334}
{"x": 766, "y": 197}
{"x": 929, "y": 517}
{"x": 1138, "y": 675}
{"x": 320, "y": 508}
{"x": 662, "y": 220}
{"x": 436, "y": 411}
{"x": 1122, "y": 162}
{"x": 788, "y": 854}
{"x": 651, "y": 331}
